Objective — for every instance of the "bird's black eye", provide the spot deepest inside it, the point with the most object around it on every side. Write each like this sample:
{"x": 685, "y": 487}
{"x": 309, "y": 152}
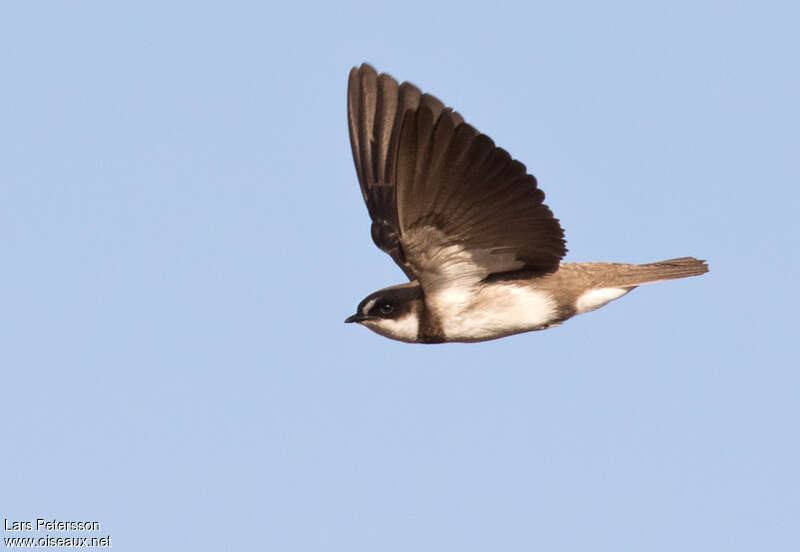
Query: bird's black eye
{"x": 386, "y": 308}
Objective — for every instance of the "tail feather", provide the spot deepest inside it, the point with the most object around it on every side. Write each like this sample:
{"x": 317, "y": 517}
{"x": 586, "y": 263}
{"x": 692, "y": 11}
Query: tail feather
{"x": 682, "y": 267}
{"x": 584, "y": 287}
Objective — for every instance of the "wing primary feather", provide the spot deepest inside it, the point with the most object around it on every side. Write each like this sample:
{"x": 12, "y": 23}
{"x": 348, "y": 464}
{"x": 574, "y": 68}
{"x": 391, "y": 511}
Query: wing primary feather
{"x": 419, "y": 164}
{"x": 367, "y": 114}
{"x": 353, "y": 110}
{"x": 386, "y": 110}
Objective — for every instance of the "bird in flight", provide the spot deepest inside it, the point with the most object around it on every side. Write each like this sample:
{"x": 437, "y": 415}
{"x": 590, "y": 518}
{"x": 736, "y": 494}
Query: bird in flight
{"x": 468, "y": 226}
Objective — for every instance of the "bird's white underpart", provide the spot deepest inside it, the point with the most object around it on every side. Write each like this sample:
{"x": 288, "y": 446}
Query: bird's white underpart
{"x": 596, "y": 298}
{"x": 488, "y": 311}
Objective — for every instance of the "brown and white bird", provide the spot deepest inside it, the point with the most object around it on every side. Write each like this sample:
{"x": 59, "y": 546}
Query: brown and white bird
{"x": 468, "y": 226}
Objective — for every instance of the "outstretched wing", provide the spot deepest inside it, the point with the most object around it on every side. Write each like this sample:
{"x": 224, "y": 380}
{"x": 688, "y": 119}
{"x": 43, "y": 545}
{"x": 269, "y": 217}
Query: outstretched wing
{"x": 465, "y": 208}
{"x": 376, "y": 106}
{"x": 445, "y": 202}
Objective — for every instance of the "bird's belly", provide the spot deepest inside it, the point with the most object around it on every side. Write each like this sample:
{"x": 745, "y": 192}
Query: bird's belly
{"x": 493, "y": 310}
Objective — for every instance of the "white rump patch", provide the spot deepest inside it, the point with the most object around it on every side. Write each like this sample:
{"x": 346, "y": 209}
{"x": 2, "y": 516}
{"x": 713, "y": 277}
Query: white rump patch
{"x": 596, "y": 298}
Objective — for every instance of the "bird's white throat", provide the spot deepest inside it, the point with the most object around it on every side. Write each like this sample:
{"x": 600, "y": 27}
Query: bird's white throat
{"x": 405, "y": 328}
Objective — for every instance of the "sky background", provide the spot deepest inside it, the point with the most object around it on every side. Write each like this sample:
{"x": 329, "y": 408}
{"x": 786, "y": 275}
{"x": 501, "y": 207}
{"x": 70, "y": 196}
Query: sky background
{"x": 182, "y": 235}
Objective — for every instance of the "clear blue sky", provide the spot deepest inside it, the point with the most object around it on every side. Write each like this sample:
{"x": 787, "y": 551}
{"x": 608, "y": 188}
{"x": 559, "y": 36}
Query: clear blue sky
{"x": 182, "y": 234}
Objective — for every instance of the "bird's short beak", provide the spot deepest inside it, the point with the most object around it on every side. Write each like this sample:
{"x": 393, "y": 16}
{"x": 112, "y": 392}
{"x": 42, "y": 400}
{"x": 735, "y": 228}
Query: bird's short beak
{"x": 354, "y": 318}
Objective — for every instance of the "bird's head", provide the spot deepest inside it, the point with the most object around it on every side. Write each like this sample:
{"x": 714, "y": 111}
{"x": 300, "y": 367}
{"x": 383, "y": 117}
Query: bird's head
{"x": 392, "y": 312}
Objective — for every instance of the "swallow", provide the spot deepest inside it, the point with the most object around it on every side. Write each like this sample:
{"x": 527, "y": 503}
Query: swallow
{"x": 467, "y": 225}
